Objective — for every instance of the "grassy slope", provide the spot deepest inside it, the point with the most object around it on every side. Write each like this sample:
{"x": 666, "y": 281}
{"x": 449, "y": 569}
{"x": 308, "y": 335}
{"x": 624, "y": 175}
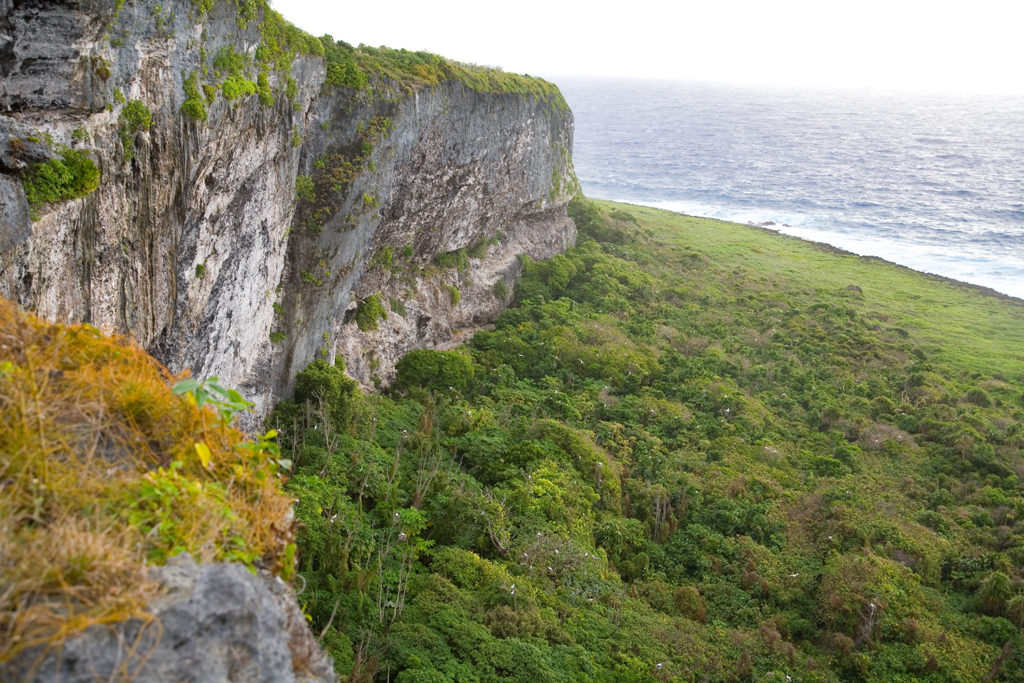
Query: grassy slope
{"x": 104, "y": 470}
{"x": 691, "y": 445}
{"x": 977, "y": 333}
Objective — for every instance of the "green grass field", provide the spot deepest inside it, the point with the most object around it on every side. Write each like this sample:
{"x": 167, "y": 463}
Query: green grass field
{"x": 977, "y": 333}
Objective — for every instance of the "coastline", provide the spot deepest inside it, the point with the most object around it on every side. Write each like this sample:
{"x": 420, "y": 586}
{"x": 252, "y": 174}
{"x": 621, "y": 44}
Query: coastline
{"x": 929, "y": 183}
{"x": 778, "y": 229}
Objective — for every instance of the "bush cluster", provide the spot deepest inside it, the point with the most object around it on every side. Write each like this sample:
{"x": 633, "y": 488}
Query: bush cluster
{"x": 71, "y": 176}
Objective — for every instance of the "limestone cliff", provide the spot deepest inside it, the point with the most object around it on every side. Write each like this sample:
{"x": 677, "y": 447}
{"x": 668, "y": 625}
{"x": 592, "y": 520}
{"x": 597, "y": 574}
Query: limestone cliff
{"x": 258, "y": 203}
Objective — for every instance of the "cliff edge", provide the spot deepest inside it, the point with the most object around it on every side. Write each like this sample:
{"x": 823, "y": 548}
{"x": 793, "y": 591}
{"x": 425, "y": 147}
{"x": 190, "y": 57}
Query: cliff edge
{"x": 242, "y": 198}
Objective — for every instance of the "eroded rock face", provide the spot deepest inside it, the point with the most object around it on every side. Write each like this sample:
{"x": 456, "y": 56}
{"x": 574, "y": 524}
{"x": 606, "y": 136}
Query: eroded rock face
{"x": 199, "y": 247}
{"x": 467, "y": 183}
{"x": 216, "y": 623}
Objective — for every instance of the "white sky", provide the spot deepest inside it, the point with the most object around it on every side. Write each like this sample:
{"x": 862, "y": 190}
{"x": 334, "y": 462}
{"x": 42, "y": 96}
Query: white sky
{"x": 935, "y": 45}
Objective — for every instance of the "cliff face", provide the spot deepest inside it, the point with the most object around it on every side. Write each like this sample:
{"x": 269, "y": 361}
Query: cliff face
{"x": 241, "y": 244}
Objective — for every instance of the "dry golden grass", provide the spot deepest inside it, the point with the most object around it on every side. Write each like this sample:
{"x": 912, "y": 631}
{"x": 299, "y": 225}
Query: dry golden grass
{"x": 100, "y": 476}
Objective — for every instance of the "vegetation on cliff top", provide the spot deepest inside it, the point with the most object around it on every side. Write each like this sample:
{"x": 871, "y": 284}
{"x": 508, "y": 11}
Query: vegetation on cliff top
{"x": 103, "y": 469}
{"x": 692, "y": 451}
{"x": 355, "y": 67}
{"x": 358, "y": 68}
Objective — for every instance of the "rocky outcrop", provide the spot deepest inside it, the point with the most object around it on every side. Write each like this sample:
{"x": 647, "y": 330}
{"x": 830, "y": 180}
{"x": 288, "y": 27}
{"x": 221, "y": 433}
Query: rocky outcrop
{"x": 215, "y": 623}
{"x": 242, "y": 245}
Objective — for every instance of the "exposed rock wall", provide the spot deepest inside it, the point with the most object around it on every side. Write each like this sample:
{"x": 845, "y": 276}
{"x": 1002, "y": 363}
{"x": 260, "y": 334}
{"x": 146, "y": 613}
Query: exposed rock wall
{"x": 216, "y": 623}
{"x": 199, "y": 247}
{"x": 464, "y": 184}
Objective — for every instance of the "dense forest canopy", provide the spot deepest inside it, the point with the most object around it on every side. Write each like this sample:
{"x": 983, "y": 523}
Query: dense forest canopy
{"x": 691, "y": 451}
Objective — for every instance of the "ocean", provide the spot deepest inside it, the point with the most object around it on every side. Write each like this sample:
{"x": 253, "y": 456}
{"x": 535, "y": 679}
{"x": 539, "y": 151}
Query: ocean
{"x": 933, "y": 182}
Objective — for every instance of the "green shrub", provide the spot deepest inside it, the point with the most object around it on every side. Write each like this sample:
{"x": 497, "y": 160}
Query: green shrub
{"x": 229, "y": 62}
{"x": 623, "y": 216}
{"x": 824, "y": 466}
{"x": 397, "y": 306}
{"x": 203, "y": 7}
{"x": 590, "y": 223}
{"x": 101, "y": 66}
{"x": 305, "y": 189}
{"x": 368, "y": 312}
{"x": 454, "y": 295}
{"x": 384, "y": 257}
{"x": 434, "y": 370}
{"x": 263, "y": 89}
{"x": 933, "y": 520}
{"x": 500, "y": 290}
{"x": 324, "y": 383}
{"x": 234, "y": 87}
{"x": 193, "y": 106}
{"x": 449, "y": 260}
{"x": 341, "y": 65}
{"x": 478, "y": 250}
{"x": 994, "y": 592}
{"x": 72, "y": 176}
{"x": 1015, "y": 610}
{"x": 687, "y": 601}
{"x": 849, "y": 455}
{"x": 135, "y": 116}
{"x": 246, "y": 12}
{"x": 309, "y": 277}
{"x": 978, "y": 397}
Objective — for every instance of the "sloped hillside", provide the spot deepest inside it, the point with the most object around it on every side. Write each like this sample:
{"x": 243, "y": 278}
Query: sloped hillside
{"x": 692, "y": 451}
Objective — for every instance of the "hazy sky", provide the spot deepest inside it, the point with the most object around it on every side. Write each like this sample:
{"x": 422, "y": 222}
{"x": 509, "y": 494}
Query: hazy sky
{"x": 963, "y": 46}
